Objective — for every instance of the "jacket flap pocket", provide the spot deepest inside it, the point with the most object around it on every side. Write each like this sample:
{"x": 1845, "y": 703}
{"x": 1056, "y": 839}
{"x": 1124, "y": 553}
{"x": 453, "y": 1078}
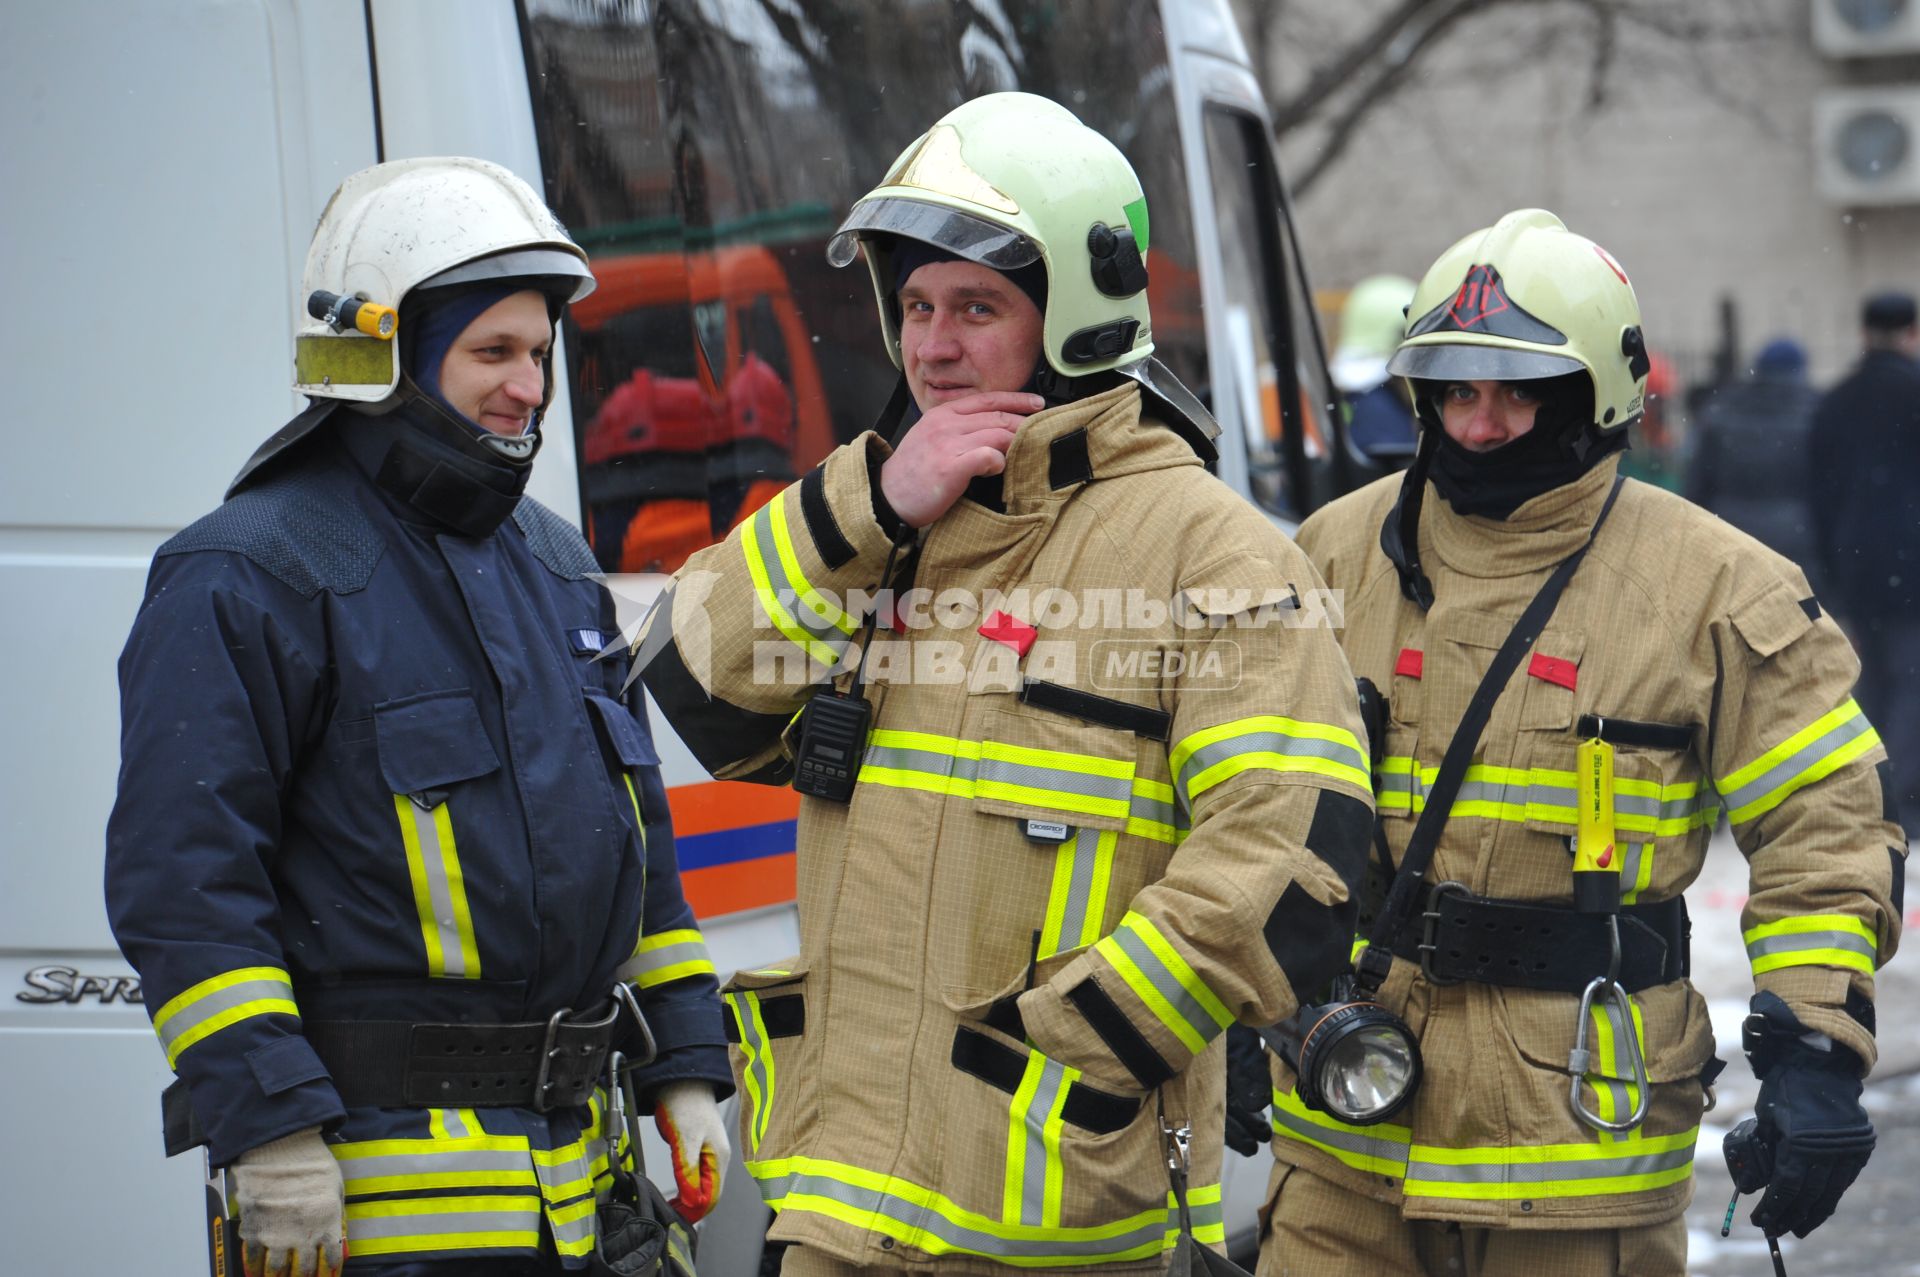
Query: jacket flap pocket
{"x": 429, "y": 741}
{"x": 1677, "y": 1033}
{"x": 1772, "y": 621}
{"x": 766, "y": 1002}
{"x": 1242, "y": 584}
{"x": 1056, "y": 770}
{"x": 787, "y": 971}
{"x": 631, "y": 742}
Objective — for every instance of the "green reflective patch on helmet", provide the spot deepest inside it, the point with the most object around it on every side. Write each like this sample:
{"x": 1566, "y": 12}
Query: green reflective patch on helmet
{"x": 1137, "y": 219}
{"x": 342, "y": 361}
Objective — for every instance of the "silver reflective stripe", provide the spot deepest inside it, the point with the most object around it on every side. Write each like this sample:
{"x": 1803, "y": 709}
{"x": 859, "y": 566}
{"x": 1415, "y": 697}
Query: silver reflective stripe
{"x": 1501, "y": 792}
{"x": 456, "y": 1126}
{"x": 1075, "y": 919}
{"x": 1160, "y": 812}
{"x": 667, "y": 955}
{"x": 508, "y": 1163}
{"x": 433, "y": 864}
{"x": 929, "y": 762}
{"x": 1146, "y": 1237}
{"x": 756, "y": 1063}
{"x": 1372, "y": 1148}
{"x": 1550, "y": 1172}
{"x": 1043, "y": 1148}
{"x": 1802, "y": 941}
{"x": 1616, "y": 1094}
{"x": 787, "y": 592}
{"x": 203, "y": 1009}
{"x": 565, "y": 1179}
{"x": 1000, "y": 771}
{"x": 1264, "y": 743}
{"x": 573, "y": 1229}
{"x": 444, "y": 1223}
{"x": 1790, "y": 768}
{"x": 1165, "y": 982}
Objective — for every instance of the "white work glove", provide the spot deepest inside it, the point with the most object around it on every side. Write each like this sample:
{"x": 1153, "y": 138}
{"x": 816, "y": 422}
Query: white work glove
{"x": 688, "y": 1119}
{"x": 290, "y": 1202}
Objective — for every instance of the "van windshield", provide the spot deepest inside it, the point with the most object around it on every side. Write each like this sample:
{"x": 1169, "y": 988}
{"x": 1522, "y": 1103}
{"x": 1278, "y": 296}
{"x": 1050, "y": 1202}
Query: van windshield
{"x": 703, "y": 151}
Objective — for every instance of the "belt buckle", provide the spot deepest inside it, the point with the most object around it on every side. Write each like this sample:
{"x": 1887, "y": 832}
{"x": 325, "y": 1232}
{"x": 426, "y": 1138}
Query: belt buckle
{"x": 549, "y": 1052}
{"x": 1430, "y": 926}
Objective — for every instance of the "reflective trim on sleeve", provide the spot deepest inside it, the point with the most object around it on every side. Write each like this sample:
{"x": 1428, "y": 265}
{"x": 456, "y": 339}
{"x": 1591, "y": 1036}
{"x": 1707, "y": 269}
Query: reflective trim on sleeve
{"x": 1164, "y": 981}
{"x": 1077, "y": 901}
{"x": 1811, "y": 754}
{"x": 1269, "y": 742}
{"x": 667, "y": 956}
{"x": 927, "y": 1220}
{"x": 1812, "y": 940}
{"x": 215, "y": 1003}
{"x": 439, "y": 889}
{"x": 785, "y": 595}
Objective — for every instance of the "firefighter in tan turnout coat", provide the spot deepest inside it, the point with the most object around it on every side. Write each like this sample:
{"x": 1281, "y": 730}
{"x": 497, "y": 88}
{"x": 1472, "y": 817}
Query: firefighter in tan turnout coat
{"x": 1720, "y": 684}
{"x": 1054, "y": 877}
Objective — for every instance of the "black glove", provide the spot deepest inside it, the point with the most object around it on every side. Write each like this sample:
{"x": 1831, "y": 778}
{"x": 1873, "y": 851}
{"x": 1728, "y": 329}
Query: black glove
{"x": 1249, "y": 1090}
{"x": 1809, "y": 1114}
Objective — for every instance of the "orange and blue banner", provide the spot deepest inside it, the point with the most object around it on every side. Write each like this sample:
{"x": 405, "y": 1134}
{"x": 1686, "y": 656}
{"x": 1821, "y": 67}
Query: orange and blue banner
{"x": 735, "y": 843}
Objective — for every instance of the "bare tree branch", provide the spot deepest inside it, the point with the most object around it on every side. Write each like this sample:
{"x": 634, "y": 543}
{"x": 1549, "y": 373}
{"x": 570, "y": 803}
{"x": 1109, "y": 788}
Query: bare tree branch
{"x": 1327, "y": 79}
{"x": 1606, "y": 43}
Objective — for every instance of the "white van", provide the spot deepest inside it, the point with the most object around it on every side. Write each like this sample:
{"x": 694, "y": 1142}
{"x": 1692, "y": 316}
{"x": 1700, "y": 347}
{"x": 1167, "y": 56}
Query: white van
{"x": 164, "y": 167}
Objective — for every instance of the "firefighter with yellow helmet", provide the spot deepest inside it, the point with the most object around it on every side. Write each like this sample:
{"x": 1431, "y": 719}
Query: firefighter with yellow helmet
{"x": 1031, "y": 897}
{"x": 1580, "y": 674}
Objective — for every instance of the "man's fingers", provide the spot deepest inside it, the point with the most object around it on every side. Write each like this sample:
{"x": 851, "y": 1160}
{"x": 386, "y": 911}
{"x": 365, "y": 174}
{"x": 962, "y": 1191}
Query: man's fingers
{"x": 1018, "y": 402}
{"x": 980, "y": 461}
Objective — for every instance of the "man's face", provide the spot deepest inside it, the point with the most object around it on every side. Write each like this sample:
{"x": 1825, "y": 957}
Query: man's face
{"x": 495, "y": 371}
{"x": 964, "y": 329}
{"x": 1483, "y": 415}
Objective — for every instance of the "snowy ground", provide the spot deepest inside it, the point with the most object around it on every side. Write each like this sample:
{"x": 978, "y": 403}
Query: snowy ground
{"x": 1876, "y": 1232}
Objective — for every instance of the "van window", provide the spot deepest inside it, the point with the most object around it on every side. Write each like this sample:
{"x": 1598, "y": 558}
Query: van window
{"x": 703, "y": 151}
{"x": 1271, "y": 340}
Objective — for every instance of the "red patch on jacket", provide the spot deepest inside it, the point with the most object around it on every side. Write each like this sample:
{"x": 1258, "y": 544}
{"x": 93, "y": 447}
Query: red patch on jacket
{"x": 1411, "y": 662}
{"x": 1553, "y": 670}
{"x": 1010, "y": 631}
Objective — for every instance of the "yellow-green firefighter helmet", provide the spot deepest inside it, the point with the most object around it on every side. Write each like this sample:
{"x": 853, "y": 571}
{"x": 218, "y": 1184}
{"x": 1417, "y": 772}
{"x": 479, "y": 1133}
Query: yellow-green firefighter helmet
{"x": 1006, "y": 180}
{"x": 1523, "y": 299}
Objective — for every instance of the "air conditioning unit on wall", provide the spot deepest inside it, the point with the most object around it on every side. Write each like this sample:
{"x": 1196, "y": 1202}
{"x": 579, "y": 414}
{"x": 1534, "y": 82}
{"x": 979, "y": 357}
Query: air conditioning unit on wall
{"x": 1866, "y": 28}
{"x": 1866, "y": 145}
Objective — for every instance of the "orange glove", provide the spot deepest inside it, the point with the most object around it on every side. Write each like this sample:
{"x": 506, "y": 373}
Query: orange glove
{"x": 689, "y": 1121}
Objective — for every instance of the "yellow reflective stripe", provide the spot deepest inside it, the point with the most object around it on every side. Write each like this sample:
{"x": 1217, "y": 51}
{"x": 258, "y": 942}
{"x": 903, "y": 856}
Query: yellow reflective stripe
{"x": 667, "y": 956}
{"x": 1615, "y": 1094}
{"x": 415, "y": 1224}
{"x": 1631, "y": 1165}
{"x": 413, "y": 1165}
{"x": 204, "y": 1009}
{"x": 929, "y": 1221}
{"x": 1637, "y": 873}
{"x": 1163, "y": 980}
{"x": 1359, "y": 947}
{"x": 1811, "y": 754}
{"x": 809, "y": 597}
{"x": 1270, "y": 742}
{"x": 1817, "y": 939}
{"x": 1015, "y": 1180}
{"x": 439, "y": 889}
{"x": 1077, "y": 900}
{"x": 639, "y": 821}
{"x": 1380, "y": 1149}
{"x": 1520, "y": 794}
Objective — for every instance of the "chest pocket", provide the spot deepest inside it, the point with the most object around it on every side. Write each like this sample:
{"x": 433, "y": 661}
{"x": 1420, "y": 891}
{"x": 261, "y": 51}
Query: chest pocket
{"x": 429, "y": 747}
{"x": 627, "y": 744}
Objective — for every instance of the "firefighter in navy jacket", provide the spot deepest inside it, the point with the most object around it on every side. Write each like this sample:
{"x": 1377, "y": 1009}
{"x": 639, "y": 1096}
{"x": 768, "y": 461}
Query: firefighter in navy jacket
{"x": 389, "y": 832}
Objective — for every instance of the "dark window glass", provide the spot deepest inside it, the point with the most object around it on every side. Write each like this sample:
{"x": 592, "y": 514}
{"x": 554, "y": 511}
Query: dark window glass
{"x": 1282, "y": 401}
{"x": 703, "y": 151}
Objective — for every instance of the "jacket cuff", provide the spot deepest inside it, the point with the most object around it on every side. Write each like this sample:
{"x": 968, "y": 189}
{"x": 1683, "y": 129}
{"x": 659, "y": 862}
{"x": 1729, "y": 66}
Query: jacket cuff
{"x": 1057, "y": 1024}
{"x": 1818, "y": 996}
{"x": 280, "y": 1087}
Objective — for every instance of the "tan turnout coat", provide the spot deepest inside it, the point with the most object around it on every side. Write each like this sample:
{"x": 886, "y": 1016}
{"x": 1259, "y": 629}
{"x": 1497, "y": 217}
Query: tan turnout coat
{"x": 1673, "y": 618}
{"x": 882, "y": 1116}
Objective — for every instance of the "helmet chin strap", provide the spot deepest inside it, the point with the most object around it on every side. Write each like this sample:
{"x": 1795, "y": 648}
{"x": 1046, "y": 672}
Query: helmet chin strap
{"x": 1400, "y": 533}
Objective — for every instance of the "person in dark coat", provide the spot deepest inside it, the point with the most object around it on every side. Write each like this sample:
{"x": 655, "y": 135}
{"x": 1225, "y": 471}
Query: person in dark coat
{"x": 1748, "y": 447}
{"x": 1863, "y": 468}
{"x": 391, "y": 849}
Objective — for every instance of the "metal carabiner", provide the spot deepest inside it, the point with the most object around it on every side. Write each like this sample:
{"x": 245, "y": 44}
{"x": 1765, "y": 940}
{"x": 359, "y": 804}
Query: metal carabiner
{"x": 1580, "y": 1059}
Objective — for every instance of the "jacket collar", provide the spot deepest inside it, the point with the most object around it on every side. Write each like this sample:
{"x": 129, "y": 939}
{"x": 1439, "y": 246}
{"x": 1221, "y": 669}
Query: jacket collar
{"x": 1538, "y": 535}
{"x": 1099, "y": 437}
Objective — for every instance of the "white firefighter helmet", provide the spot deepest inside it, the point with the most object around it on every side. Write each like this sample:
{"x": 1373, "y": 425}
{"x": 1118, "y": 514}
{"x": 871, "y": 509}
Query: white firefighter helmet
{"x": 420, "y": 223}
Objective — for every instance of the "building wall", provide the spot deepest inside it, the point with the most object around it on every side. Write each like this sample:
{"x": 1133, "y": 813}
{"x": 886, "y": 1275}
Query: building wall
{"x": 1696, "y": 172}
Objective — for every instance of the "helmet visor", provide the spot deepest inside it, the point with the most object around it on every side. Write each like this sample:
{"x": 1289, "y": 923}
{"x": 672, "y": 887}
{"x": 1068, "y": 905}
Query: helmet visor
{"x": 958, "y": 233}
{"x": 1479, "y": 363}
{"x": 572, "y": 279}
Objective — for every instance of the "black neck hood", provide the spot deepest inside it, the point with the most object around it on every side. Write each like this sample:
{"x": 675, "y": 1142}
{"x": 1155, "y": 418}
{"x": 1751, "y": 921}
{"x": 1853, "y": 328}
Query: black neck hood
{"x": 435, "y": 465}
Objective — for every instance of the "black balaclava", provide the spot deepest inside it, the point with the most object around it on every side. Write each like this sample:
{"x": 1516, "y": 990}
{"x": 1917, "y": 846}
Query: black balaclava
{"x": 441, "y": 463}
{"x": 1559, "y": 449}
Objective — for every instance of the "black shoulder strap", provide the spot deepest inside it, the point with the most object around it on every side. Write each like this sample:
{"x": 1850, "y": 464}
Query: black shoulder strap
{"x": 1398, "y": 910}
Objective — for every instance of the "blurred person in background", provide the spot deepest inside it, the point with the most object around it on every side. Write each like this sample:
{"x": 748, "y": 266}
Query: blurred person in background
{"x": 1381, "y": 420}
{"x": 1747, "y": 450}
{"x": 1863, "y": 463}
{"x": 1654, "y": 455}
